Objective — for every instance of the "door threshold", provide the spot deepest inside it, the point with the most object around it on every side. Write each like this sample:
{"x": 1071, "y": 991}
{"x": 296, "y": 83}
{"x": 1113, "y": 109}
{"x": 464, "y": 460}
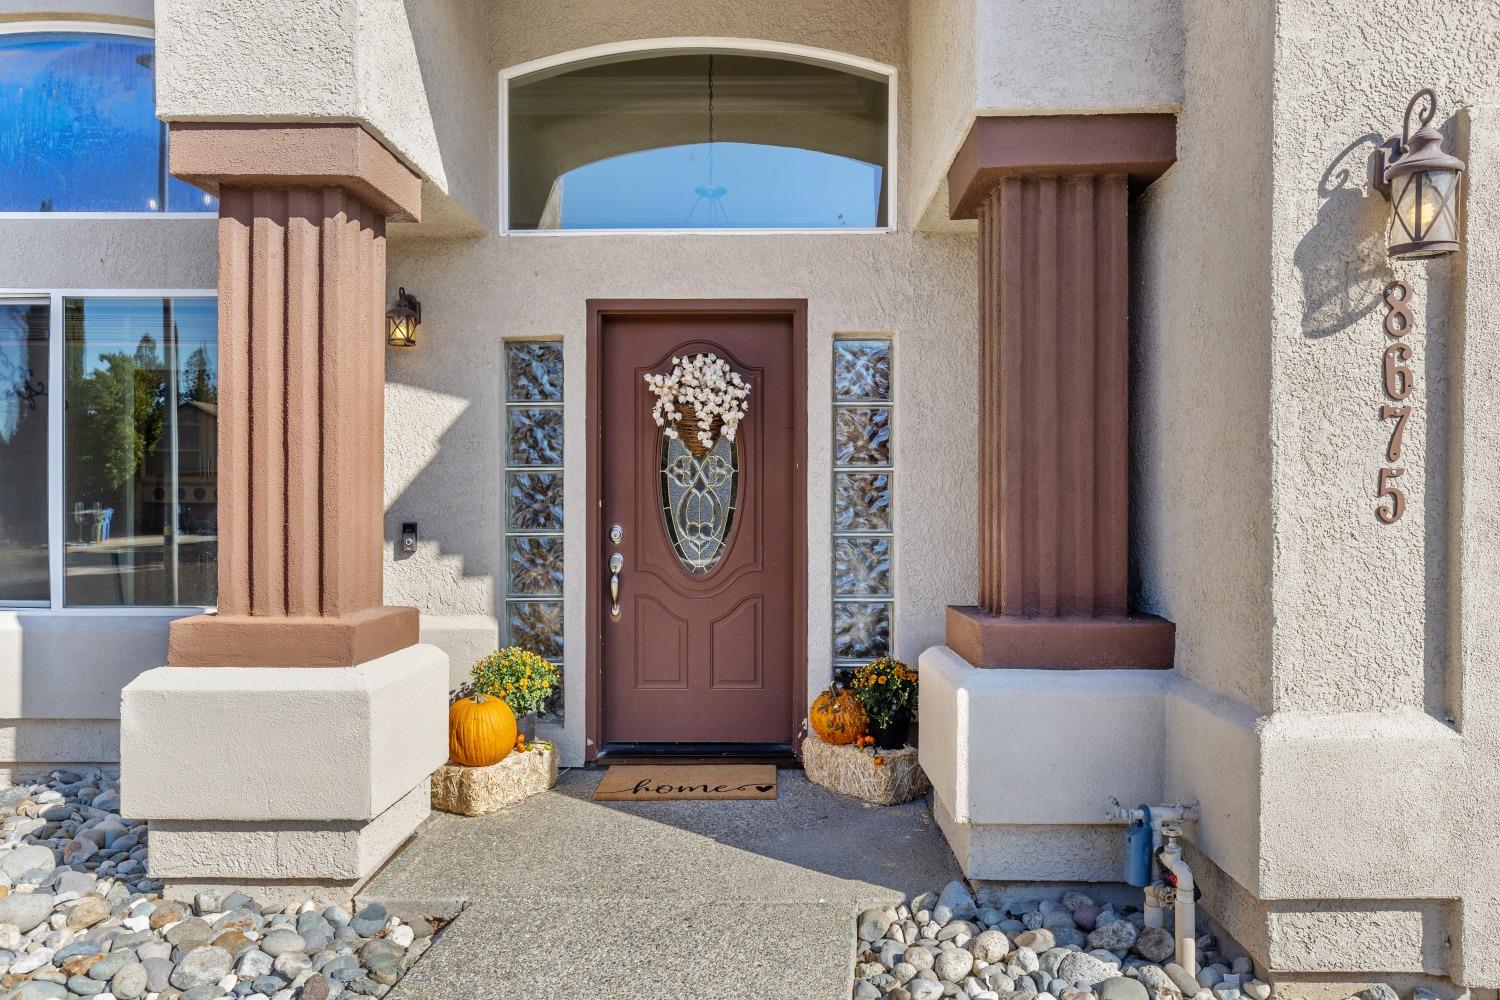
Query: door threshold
{"x": 780, "y": 754}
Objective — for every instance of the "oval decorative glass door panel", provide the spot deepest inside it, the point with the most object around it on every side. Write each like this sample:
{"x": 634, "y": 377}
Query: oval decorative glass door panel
{"x": 698, "y": 498}
{"x": 699, "y": 405}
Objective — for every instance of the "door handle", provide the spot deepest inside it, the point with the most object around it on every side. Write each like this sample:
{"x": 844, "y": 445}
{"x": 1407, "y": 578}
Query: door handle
{"x": 616, "y": 563}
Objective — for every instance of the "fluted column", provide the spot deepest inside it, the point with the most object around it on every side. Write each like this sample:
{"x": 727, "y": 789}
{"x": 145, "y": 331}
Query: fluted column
{"x": 302, "y": 215}
{"x": 1051, "y": 196}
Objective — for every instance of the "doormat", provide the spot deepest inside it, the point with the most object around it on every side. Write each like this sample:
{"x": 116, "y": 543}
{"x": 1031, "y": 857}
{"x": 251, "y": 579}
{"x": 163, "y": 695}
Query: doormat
{"x": 673, "y": 782}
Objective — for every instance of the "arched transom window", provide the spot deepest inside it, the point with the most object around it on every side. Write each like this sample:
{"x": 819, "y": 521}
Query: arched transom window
{"x": 698, "y": 140}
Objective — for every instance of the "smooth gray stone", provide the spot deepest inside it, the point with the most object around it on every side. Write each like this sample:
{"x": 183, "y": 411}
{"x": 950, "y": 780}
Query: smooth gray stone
{"x": 158, "y": 973}
{"x": 104, "y": 970}
{"x": 202, "y": 966}
{"x": 280, "y": 942}
{"x": 84, "y": 986}
{"x": 370, "y": 921}
{"x": 1121, "y": 988}
{"x": 130, "y": 982}
{"x": 26, "y": 910}
{"x": 18, "y": 862}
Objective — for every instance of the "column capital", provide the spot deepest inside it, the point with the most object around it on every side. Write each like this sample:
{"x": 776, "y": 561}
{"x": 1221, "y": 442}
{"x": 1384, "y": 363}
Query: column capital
{"x": 213, "y": 155}
{"x": 1138, "y": 146}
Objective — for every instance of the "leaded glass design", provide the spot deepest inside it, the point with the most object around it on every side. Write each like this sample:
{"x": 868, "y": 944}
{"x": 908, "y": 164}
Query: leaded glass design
{"x": 863, "y": 499}
{"x": 698, "y": 497}
{"x": 533, "y": 373}
{"x": 862, "y": 370}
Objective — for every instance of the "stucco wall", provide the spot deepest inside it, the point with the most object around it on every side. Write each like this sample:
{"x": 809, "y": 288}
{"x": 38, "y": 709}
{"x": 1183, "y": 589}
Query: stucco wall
{"x": 416, "y": 72}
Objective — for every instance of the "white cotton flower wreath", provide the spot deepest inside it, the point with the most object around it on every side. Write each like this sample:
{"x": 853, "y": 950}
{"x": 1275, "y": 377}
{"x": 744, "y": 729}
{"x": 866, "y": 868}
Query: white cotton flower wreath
{"x": 705, "y": 383}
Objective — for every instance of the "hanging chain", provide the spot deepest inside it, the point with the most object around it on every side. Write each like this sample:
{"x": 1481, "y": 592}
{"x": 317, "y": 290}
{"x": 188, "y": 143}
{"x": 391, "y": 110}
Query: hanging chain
{"x": 710, "y": 119}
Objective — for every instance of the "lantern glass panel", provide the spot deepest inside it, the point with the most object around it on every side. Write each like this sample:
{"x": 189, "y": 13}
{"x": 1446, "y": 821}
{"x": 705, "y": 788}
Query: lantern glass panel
{"x": 1425, "y": 219}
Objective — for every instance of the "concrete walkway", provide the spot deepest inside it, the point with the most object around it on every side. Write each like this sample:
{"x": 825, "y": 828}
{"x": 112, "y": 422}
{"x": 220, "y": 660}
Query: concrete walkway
{"x": 564, "y": 897}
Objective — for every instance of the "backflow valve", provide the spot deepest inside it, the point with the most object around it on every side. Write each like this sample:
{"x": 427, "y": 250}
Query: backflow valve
{"x": 1152, "y": 836}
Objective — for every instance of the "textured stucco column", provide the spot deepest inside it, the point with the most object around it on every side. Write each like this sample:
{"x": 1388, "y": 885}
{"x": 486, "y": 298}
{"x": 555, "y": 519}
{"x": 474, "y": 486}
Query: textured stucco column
{"x": 302, "y": 216}
{"x": 1052, "y": 199}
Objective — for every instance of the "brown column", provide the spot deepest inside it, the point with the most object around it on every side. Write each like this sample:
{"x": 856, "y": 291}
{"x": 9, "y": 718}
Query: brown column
{"x": 1051, "y": 196}
{"x": 302, "y": 213}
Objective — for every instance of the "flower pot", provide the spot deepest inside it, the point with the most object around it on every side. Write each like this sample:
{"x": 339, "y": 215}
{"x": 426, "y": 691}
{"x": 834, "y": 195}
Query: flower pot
{"x": 892, "y": 735}
{"x": 527, "y": 725}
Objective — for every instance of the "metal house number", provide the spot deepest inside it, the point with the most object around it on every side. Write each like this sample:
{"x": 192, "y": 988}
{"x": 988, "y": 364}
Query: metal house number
{"x": 1399, "y": 381}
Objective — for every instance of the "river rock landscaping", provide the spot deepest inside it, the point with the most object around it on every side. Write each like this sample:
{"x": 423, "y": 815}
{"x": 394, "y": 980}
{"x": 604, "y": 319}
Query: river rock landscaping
{"x": 946, "y": 945}
{"x": 79, "y": 917}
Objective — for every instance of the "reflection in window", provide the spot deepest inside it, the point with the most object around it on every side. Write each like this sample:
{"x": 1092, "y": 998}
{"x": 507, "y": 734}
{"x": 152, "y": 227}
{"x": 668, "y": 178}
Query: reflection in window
{"x": 23, "y": 452}
{"x": 702, "y": 141}
{"x": 79, "y": 131}
{"x": 140, "y": 505}
{"x": 534, "y": 502}
{"x": 863, "y": 526}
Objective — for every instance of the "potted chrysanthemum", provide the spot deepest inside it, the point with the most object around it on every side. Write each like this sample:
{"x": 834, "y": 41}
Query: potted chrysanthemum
{"x": 888, "y": 690}
{"x": 521, "y": 679}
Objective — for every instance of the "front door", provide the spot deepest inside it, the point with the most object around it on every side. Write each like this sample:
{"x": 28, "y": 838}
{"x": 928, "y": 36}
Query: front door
{"x": 702, "y": 628}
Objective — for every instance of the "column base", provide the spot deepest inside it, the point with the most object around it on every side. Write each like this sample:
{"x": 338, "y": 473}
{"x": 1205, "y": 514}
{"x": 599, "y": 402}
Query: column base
{"x": 283, "y": 775}
{"x": 215, "y": 640}
{"x": 1125, "y": 642}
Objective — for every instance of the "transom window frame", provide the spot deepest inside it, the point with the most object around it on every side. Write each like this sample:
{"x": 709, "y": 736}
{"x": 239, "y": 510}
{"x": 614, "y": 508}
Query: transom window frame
{"x": 56, "y": 517}
{"x": 94, "y": 28}
{"x": 645, "y": 48}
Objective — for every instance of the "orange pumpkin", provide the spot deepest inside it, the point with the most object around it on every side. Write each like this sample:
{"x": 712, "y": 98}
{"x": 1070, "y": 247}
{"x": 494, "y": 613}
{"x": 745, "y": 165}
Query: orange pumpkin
{"x": 838, "y": 717}
{"x": 481, "y": 731}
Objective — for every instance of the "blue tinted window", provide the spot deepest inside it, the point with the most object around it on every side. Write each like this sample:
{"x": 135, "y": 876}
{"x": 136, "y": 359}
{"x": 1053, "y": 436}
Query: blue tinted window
{"x": 79, "y": 131}
{"x": 740, "y": 185}
{"x": 720, "y": 141}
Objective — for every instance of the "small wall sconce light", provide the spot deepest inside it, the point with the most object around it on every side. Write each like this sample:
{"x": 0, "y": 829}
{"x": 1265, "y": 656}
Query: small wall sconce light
{"x": 402, "y": 320}
{"x": 1424, "y": 186}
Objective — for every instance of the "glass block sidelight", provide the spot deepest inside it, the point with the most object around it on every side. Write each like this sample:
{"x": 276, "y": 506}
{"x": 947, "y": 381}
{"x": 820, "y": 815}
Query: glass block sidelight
{"x": 863, "y": 500}
{"x": 533, "y": 501}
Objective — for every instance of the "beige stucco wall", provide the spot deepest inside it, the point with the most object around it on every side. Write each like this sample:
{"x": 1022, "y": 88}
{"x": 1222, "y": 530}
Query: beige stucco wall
{"x": 417, "y": 74}
{"x": 1257, "y": 443}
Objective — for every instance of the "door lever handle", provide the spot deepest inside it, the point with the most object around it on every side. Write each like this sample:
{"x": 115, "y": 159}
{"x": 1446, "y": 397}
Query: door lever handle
{"x": 616, "y": 563}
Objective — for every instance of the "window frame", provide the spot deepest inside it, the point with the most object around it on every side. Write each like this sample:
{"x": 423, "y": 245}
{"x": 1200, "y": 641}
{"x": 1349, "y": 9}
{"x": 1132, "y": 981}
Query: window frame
{"x": 56, "y": 521}
{"x": 843, "y": 665}
{"x": 645, "y": 48}
{"x": 93, "y": 28}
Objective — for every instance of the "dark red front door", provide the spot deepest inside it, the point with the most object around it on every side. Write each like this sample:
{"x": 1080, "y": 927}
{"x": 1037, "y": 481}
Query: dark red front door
{"x": 708, "y": 644}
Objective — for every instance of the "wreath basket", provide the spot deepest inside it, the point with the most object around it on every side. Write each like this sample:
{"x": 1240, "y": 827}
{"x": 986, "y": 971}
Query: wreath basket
{"x": 687, "y": 431}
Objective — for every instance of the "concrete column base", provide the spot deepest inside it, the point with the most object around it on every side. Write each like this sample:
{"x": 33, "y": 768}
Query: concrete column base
{"x": 263, "y": 776}
{"x": 1016, "y": 796}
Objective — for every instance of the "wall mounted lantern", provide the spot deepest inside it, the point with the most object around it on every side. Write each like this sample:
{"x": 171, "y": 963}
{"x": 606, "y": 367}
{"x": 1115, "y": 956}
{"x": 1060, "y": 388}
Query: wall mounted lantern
{"x": 402, "y": 320}
{"x": 1423, "y": 184}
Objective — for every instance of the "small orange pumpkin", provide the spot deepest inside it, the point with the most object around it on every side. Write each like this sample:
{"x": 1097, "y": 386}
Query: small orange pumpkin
{"x": 838, "y": 717}
{"x": 481, "y": 731}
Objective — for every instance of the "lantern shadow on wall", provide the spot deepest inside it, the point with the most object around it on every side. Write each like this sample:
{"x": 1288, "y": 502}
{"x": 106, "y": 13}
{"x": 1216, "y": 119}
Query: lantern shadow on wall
{"x": 1341, "y": 259}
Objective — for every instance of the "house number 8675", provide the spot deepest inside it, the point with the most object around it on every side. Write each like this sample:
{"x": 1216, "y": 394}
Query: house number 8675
{"x": 1399, "y": 381}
